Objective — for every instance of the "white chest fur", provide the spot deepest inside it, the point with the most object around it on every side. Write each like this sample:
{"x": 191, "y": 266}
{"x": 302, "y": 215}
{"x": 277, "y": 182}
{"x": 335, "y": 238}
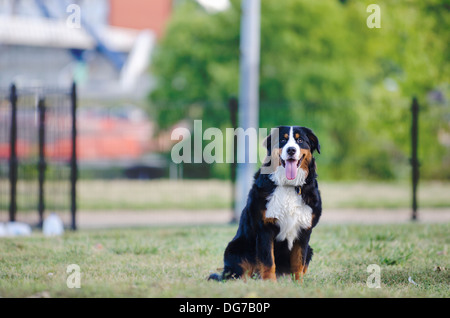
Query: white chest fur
{"x": 291, "y": 212}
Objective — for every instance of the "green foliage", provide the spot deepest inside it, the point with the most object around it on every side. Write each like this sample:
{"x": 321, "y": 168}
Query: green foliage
{"x": 321, "y": 67}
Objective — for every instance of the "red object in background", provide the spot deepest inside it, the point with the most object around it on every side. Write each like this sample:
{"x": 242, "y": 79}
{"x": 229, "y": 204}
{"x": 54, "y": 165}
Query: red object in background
{"x": 106, "y": 138}
{"x": 140, "y": 14}
{"x": 108, "y": 147}
{"x": 98, "y": 139}
{"x": 23, "y": 149}
{"x": 4, "y": 150}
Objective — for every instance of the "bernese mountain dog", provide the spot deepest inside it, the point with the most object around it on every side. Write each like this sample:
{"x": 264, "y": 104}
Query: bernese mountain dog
{"x": 283, "y": 207}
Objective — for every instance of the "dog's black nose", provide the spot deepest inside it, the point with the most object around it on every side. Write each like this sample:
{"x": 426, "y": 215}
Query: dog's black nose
{"x": 291, "y": 151}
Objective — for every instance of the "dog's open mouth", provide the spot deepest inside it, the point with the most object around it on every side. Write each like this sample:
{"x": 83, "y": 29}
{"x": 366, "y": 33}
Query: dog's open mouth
{"x": 291, "y": 167}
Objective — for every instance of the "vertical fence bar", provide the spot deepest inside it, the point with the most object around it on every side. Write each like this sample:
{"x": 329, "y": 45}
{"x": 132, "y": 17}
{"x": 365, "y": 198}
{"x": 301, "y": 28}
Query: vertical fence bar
{"x": 233, "y": 106}
{"x": 41, "y": 160}
{"x": 248, "y": 116}
{"x": 73, "y": 160}
{"x": 13, "y": 155}
{"x": 414, "y": 160}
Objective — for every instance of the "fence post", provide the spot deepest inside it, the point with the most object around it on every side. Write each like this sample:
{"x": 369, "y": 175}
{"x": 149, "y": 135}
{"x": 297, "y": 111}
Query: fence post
{"x": 73, "y": 160}
{"x": 41, "y": 163}
{"x": 414, "y": 160}
{"x": 13, "y": 155}
{"x": 249, "y": 63}
{"x": 233, "y": 106}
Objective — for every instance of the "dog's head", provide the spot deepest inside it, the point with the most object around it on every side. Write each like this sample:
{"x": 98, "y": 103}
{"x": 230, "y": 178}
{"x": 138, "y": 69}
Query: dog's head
{"x": 290, "y": 151}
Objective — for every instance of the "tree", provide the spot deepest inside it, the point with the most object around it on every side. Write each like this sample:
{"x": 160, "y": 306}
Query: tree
{"x": 322, "y": 67}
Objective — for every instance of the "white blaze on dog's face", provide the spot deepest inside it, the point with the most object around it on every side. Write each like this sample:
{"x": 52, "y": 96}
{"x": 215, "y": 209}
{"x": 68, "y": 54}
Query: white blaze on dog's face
{"x": 290, "y": 155}
{"x": 295, "y": 147}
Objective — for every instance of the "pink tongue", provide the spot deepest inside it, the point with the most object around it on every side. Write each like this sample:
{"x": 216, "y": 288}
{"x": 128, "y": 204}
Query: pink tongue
{"x": 291, "y": 169}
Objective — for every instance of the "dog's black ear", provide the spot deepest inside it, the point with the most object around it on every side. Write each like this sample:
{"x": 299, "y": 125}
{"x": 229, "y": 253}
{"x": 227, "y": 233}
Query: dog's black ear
{"x": 272, "y": 140}
{"x": 267, "y": 142}
{"x": 314, "y": 141}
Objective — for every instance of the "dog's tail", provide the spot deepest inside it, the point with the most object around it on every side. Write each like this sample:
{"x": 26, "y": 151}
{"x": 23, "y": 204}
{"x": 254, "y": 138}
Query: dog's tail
{"x": 216, "y": 276}
{"x": 226, "y": 274}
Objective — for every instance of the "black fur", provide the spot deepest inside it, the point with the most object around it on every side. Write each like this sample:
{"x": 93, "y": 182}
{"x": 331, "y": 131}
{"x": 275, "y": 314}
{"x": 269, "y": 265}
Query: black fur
{"x": 253, "y": 241}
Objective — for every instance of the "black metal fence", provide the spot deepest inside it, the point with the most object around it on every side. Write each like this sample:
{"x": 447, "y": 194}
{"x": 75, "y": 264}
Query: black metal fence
{"x": 38, "y": 166}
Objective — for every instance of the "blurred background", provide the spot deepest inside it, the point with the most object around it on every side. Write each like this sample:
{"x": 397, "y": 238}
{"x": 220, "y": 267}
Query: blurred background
{"x": 143, "y": 68}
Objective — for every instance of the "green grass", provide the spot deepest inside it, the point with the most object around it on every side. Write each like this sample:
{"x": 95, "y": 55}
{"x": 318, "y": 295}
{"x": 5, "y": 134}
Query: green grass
{"x": 175, "y": 261}
{"x": 145, "y": 195}
{"x": 217, "y": 194}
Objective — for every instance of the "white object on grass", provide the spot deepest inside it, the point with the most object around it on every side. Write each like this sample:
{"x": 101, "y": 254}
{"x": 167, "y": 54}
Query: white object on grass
{"x": 411, "y": 281}
{"x": 53, "y": 225}
{"x": 14, "y": 229}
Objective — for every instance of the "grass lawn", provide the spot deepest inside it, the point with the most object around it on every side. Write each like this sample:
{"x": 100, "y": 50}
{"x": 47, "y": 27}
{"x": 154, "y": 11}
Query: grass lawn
{"x": 161, "y": 194}
{"x": 217, "y": 194}
{"x": 175, "y": 262}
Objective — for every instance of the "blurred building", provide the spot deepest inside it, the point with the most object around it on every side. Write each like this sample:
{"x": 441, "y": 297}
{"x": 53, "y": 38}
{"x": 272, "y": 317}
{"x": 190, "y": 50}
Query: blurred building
{"x": 105, "y": 45}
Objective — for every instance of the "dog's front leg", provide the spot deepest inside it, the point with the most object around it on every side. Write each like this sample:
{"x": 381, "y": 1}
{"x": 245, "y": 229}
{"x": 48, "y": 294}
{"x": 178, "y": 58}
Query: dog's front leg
{"x": 298, "y": 266}
{"x": 301, "y": 254}
{"x": 265, "y": 256}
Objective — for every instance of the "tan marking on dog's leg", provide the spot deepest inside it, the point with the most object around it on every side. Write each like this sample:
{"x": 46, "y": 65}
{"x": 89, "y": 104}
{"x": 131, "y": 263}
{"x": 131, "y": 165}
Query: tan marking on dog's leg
{"x": 297, "y": 263}
{"x": 248, "y": 269}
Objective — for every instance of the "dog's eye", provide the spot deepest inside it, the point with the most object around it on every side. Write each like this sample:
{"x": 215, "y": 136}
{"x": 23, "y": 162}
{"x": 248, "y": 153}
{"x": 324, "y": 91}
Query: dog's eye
{"x": 283, "y": 141}
{"x": 299, "y": 140}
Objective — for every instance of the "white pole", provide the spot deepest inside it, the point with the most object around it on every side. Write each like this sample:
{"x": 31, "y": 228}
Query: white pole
{"x": 248, "y": 95}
